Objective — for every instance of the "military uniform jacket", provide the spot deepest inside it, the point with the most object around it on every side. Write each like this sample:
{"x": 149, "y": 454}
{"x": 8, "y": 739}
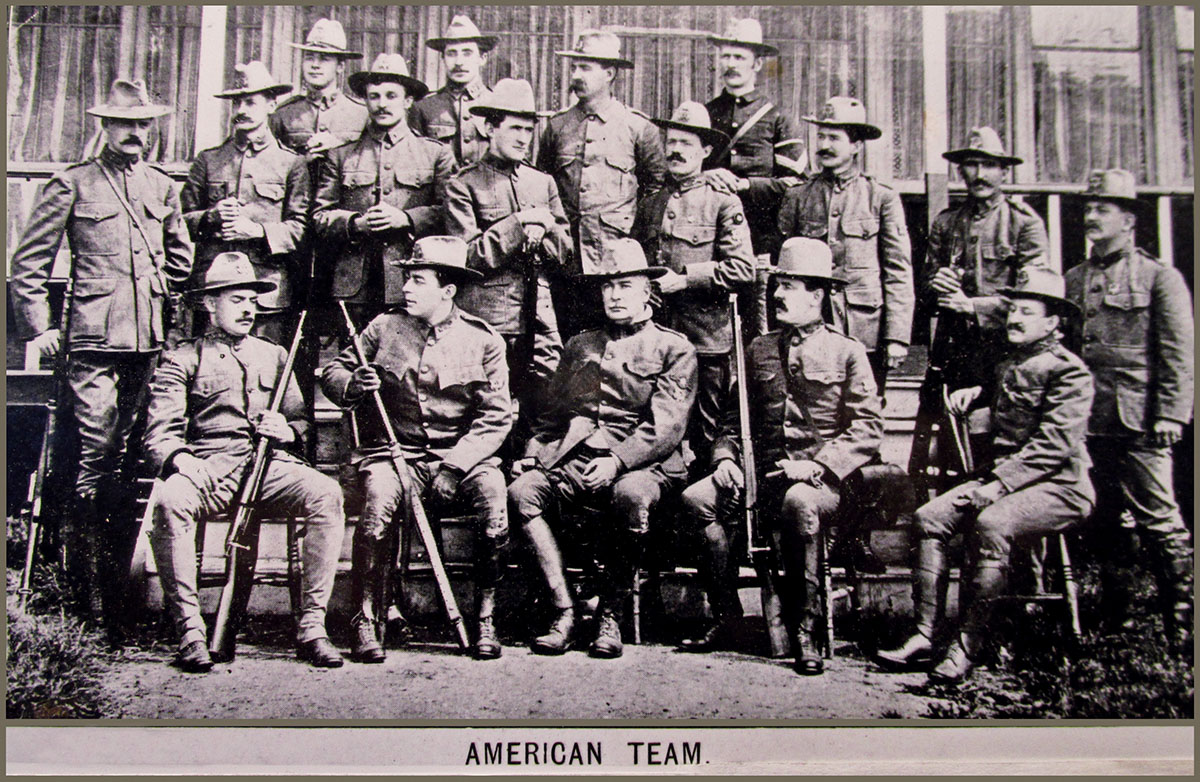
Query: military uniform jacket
{"x": 753, "y": 158}
{"x": 603, "y": 161}
{"x": 482, "y": 202}
{"x": 694, "y": 230}
{"x": 989, "y": 242}
{"x": 206, "y": 396}
{"x": 394, "y": 167}
{"x": 121, "y": 279}
{"x": 863, "y": 223}
{"x": 627, "y": 390}
{"x": 445, "y": 116}
{"x": 272, "y": 185}
{"x": 445, "y": 388}
{"x": 1039, "y": 417}
{"x": 300, "y": 117}
{"x": 1137, "y": 340}
{"x": 813, "y": 397}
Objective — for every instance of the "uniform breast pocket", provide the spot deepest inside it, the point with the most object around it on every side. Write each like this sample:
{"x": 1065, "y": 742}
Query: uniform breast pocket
{"x": 1124, "y": 318}
{"x": 91, "y": 301}
{"x": 414, "y": 177}
{"x": 568, "y": 152}
{"x": 813, "y": 229}
{"x": 696, "y": 235}
{"x": 156, "y": 211}
{"x": 442, "y": 130}
{"x": 207, "y": 388}
{"x": 358, "y": 180}
{"x": 461, "y": 374}
{"x": 269, "y": 191}
{"x": 95, "y": 232}
{"x": 1026, "y": 396}
{"x": 824, "y": 386}
{"x": 641, "y": 377}
{"x": 860, "y": 228}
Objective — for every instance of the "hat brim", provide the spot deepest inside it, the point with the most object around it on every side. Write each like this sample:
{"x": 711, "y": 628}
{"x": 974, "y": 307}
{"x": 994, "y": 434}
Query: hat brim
{"x": 358, "y": 83}
{"x": 869, "y": 131}
{"x": 959, "y": 156}
{"x": 459, "y": 272}
{"x": 616, "y": 62}
{"x": 1065, "y": 306}
{"x": 653, "y": 272}
{"x": 486, "y": 42}
{"x": 258, "y": 286}
{"x": 710, "y": 136}
{"x": 105, "y": 111}
{"x": 832, "y": 281}
{"x": 1136, "y": 205}
{"x": 761, "y": 49}
{"x": 272, "y": 91}
{"x": 344, "y": 54}
{"x": 498, "y": 111}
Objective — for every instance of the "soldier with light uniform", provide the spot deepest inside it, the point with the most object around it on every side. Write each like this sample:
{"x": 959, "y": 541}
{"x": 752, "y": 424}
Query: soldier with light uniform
{"x": 444, "y": 383}
{"x": 446, "y": 115}
{"x": 250, "y": 195}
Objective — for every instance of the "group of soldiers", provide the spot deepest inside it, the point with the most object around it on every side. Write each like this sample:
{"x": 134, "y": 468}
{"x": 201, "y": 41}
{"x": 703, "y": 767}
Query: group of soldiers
{"x": 421, "y": 212}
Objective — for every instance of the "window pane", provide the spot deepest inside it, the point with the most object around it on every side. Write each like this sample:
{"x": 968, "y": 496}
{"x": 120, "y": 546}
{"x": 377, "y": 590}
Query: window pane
{"x": 1185, "y": 27}
{"x": 1090, "y": 27}
{"x": 977, "y": 72}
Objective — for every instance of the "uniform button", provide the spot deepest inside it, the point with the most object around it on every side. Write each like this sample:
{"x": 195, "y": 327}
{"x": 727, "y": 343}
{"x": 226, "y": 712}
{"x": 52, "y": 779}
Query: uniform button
{"x": 675, "y": 194}
{"x": 795, "y": 340}
{"x": 1092, "y": 311}
{"x": 322, "y": 128}
{"x": 671, "y": 215}
{"x": 424, "y": 370}
{"x": 387, "y": 191}
{"x": 835, "y": 212}
{"x": 422, "y": 397}
{"x": 974, "y": 240}
{"x": 222, "y": 355}
{"x": 138, "y": 250}
{"x": 1097, "y": 288}
{"x": 387, "y": 165}
{"x": 429, "y": 341}
{"x": 736, "y": 124}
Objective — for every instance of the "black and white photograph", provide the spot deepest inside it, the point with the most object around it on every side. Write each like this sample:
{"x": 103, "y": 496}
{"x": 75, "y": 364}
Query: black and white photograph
{"x": 735, "y": 364}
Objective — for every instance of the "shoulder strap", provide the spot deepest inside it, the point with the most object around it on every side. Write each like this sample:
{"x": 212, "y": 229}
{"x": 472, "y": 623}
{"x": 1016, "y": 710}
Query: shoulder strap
{"x": 754, "y": 119}
{"x": 129, "y": 209}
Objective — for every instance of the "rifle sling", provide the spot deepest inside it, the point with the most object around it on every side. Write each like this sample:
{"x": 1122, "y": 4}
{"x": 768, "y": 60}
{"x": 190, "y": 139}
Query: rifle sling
{"x": 744, "y": 129}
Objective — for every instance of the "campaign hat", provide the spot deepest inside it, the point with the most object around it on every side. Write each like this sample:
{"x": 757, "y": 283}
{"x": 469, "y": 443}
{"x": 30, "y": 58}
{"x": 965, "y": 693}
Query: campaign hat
{"x": 693, "y": 117}
{"x": 251, "y": 78}
{"x": 809, "y": 259}
{"x": 232, "y": 270}
{"x": 982, "y": 142}
{"x": 747, "y": 33}
{"x": 462, "y": 30}
{"x": 129, "y": 100}
{"x": 387, "y": 67}
{"x": 844, "y": 112}
{"x": 443, "y": 254}
{"x": 327, "y": 37}
{"x": 598, "y": 46}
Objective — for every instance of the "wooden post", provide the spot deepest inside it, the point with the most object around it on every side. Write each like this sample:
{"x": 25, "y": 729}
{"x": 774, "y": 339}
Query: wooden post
{"x": 1024, "y": 139}
{"x": 937, "y": 110}
{"x": 210, "y": 111}
{"x": 1166, "y": 235}
{"x": 1160, "y": 92}
{"x": 878, "y": 89}
{"x": 1054, "y": 230}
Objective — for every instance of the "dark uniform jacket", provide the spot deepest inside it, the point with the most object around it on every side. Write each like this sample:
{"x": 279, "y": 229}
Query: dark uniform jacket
{"x": 627, "y": 390}
{"x": 206, "y": 397}
{"x": 603, "y": 162}
{"x": 753, "y": 158}
{"x": 272, "y": 185}
{"x": 863, "y": 223}
{"x": 694, "y": 230}
{"x": 445, "y": 116}
{"x": 813, "y": 397}
{"x": 121, "y": 278}
{"x": 1137, "y": 340}
{"x": 300, "y": 117}
{"x": 395, "y": 167}
{"x": 481, "y": 206}
{"x": 445, "y": 388}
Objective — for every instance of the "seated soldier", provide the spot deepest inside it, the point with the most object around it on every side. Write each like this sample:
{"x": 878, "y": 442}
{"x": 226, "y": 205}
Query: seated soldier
{"x": 816, "y": 419}
{"x": 1036, "y": 484}
{"x": 445, "y": 386}
{"x": 209, "y": 402}
{"x": 608, "y": 432}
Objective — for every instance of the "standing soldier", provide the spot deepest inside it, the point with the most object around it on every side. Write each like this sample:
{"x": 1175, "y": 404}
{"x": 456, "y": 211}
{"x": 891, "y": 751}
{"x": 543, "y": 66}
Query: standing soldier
{"x": 250, "y": 195}
{"x": 375, "y": 196}
{"x": 511, "y": 217}
{"x": 322, "y": 117}
{"x": 765, "y": 154}
{"x": 863, "y": 223}
{"x": 209, "y": 401}
{"x": 619, "y": 406}
{"x": 604, "y": 156}
{"x": 445, "y": 115}
{"x": 1138, "y": 342}
{"x": 817, "y": 419}
{"x": 445, "y": 386}
{"x": 699, "y": 234}
{"x": 130, "y": 249}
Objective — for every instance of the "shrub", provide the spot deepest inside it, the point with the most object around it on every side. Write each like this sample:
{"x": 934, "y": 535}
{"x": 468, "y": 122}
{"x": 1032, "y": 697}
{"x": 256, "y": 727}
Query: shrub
{"x": 54, "y": 666}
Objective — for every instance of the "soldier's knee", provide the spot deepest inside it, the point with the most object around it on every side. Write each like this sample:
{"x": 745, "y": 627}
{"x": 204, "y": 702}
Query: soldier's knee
{"x": 700, "y": 502}
{"x": 631, "y": 500}
{"x": 178, "y": 501}
{"x": 528, "y": 494}
{"x": 993, "y": 533}
{"x": 325, "y": 496}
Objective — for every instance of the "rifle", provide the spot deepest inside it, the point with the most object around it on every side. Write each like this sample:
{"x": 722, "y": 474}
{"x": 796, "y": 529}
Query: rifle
{"x": 761, "y": 553}
{"x": 408, "y": 486}
{"x": 534, "y": 260}
{"x": 241, "y": 544}
{"x": 962, "y": 435}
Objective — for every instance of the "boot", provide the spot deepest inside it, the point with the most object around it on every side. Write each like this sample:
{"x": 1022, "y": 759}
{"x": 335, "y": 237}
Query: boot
{"x": 608, "y": 638}
{"x": 808, "y": 660}
{"x": 82, "y": 559}
{"x": 987, "y": 583}
{"x": 487, "y": 645}
{"x": 955, "y": 666}
{"x": 722, "y": 597}
{"x": 366, "y": 585}
{"x": 488, "y": 568}
{"x": 930, "y": 580}
{"x": 558, "y": 639}
{"x": 1177, "y": 602}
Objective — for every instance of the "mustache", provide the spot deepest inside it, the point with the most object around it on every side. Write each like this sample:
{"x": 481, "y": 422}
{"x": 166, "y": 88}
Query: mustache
{"x": 731, "y": 72}
{"x": 676, "y": 157}
{"x": 826, "y": 153}
{"x": 133, "y": 140}
{"x": 241, "y": 118}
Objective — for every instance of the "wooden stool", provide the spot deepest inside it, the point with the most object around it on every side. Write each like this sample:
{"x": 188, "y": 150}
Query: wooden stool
{"x": 1066, "y": 591}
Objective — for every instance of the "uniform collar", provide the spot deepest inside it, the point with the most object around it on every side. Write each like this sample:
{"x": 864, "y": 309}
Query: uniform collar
{"x": 744, "y": 100}
{"x": 1104, "y": 261}
{"x": 439, "y": 328}
{"x": 256, "y": 143}
{"x": 324, "y": 100}
{"x": 221, "y": 337}
{"x": 805, "y": 331}
{"x": 506, "y": 167}
{"x": 1047, "y": 342}
{"x": 622, "y": 330}
{"x": 118, "y": 160}
{"x": 606, "y": 110}
{"x": 392, "y": 136}
{"x": 689, "y": 182}
{"x": 472, "y": 90}
{"x": 981, "y": 208}
{"x": 840, "y": 181}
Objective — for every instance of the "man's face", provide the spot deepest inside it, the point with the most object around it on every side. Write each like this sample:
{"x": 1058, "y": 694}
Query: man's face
{"x": 1028, "y": 321}
{"x": 232, "y": 310}
{"x": 982, "y": 177}
{"x": 1104, "y": 221}
{"x": 463, "y": 62}
{"x": 319, "y": 70}
{"x": 423, "y": 294}
{"x": 685, "y": 152}
{"x": 387, "y": 103}
{"x": 625, "y": 298}
{"x": 835, "y": 150}
{"x": 511, "y": 139}
{"x": 130, "y": 136}
{"x": 590, "y": 79}
{"x": 739, "y": 66}
{"x": 250, "y": 111}
{"x": 795, "y": 303}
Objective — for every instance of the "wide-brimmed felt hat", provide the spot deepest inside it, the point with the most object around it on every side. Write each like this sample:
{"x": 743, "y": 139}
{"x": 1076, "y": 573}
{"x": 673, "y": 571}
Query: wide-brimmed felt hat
{"x": 327, "y": 37}
{"x": 251, "y": 78}
{"x": 1042, "y": 284}
{"x": 983, "y": 142}
{"x": 442, "y": 253}
{"x": 600, "y": 46}
{"x": 1115, "y": 185}
{"x": 387, "y": 67}
{"x": 508, "y": 96}
{"x": 693, "y": 117}
{"x": 843, "y": 112}
{"x": 809, "y": 259}
{"x": 462, "y": 30}
{"x": 129, "y": 100}
{"x": 623, "y": 258}
{"x": 232, "y": 270}
{"x": 747, "y": 33}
